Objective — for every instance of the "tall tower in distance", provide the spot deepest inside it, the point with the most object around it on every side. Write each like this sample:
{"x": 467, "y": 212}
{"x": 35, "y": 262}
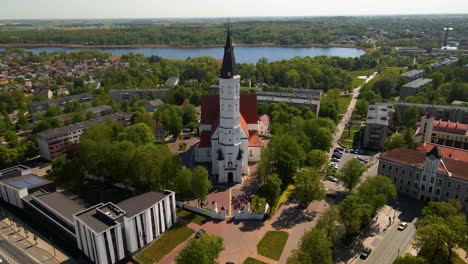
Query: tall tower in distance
{"x": 229, "y": 155}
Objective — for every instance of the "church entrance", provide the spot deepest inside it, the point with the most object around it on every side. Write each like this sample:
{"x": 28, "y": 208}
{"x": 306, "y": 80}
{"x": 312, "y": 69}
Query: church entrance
{"x": 230, "y": 177}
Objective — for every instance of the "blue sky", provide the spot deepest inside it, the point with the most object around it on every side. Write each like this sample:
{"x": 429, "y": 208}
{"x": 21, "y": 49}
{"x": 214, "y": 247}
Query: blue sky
{"x": 44, "y": 9}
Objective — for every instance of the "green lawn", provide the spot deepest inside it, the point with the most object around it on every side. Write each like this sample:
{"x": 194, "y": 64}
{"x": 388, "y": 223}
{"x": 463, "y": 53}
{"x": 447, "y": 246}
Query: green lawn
{"x": 191, "y": 216}
{"x": 344, "y": 102}
{"x": 355, "y": 74}
{"x": 165, "y": 244}
{"x": 250, "y": 260}
{"x": 272, "y": 244}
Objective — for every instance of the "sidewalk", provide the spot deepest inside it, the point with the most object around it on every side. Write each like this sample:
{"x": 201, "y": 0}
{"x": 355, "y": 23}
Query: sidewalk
{"x": 39, "y": 250}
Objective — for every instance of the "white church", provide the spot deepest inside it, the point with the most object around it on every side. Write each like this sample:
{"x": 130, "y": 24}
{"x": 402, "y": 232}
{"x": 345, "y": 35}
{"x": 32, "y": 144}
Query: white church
{"x": 229, "y": 130}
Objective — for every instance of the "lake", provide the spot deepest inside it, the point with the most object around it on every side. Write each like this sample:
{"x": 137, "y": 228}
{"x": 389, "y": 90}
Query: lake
{"x": 243, "y": 54}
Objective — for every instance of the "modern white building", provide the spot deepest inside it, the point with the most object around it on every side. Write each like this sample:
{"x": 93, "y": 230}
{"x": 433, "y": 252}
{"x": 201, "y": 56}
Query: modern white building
{"x": 107, "y": 233}
{"x": 229, "y": 128}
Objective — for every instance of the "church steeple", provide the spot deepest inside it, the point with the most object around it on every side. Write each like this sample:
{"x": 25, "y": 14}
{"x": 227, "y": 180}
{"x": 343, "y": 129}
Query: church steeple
{"x": 229, "y": 67}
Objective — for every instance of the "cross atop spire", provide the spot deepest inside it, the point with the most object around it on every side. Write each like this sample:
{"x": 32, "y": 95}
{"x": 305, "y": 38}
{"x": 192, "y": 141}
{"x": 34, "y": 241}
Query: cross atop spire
{"x": 229, "y": 67}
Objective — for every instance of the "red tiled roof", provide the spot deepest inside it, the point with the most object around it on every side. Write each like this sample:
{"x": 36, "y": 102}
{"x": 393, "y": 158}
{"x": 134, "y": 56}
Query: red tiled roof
{"x": 254, "y": 139}
{"x": 450, "y": 127}
{"x": 411, "y": 157}
{"x": 447, "y": 152}
{"x": 244, "y": 125}
{"x": 210, "y": 108}
{"x": 265, "y": 119}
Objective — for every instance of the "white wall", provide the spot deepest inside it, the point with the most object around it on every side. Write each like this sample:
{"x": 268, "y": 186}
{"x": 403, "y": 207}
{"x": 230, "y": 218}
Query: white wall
{"x": 43, "y": 148}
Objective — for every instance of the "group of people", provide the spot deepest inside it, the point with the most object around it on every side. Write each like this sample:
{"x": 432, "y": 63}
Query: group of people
{"x": 240, "y": 200}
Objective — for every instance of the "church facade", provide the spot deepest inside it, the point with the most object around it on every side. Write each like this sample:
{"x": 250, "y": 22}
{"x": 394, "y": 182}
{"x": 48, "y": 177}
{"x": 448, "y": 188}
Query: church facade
{"x": 229, "y": 137}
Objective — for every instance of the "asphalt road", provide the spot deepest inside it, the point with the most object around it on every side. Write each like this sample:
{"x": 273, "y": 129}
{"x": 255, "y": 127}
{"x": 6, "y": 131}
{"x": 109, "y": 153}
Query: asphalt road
{"x": 14, "y": 253}
{"x": 393, "y": 244}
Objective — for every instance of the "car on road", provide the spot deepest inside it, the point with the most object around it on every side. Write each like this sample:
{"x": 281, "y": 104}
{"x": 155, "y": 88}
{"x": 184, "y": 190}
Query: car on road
{"x": 365, "y": 253}
{"x": 200, "y": 233}
{"x": 402, "y": 226}
{"x": 332, "y": 179}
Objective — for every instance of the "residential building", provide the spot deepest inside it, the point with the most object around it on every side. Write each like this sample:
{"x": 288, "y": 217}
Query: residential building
{"x": 429, "y": 173}
{"x": 152, "y": 105}
{"x": 130, "y": 95}
{"x": 413, "y": 75}
{"x": 229, "y": 136}
{"x": 405, "y": 51}
{"x": 264, "y": 125}
{"x": 379, "y": 124}
{"x": 55, "y": 142}
{"x": 43, "y": 91}
{"x": 63, "y": 91}
{"x": 172, "y": 82}
{"x": 42, "y": 106}
{"x": 314, "y": 105}
{"x": 452, "y": 134}
{"x": 412, "y": 88}
{"x": 443, "y": 63}
{"x": 439, "y": 112}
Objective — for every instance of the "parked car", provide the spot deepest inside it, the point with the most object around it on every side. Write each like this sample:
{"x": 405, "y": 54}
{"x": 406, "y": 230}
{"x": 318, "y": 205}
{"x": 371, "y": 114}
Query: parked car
{"x": 402, "y": 226}
{"x": 200, "y": 233}
{"x": 347, "y": 150}
{"x": 332, "y": 179}
{"x": 340, "y": 149}
{"x": 334, "y": 159}
{"x": 365, "y": 253}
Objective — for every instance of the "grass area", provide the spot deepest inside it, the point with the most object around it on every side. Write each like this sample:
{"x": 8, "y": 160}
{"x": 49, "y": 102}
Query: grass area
{"x": 344, "y": 102}
{"x": 191, "y": 216}
{"x": 165, "y": 244}
{"x": 346, "y": 139}
{"x": 355, "y": 74}
{"x": 250, "y": 260}
{"x": 258, "y": 204}
{"x": 272, "y": 244}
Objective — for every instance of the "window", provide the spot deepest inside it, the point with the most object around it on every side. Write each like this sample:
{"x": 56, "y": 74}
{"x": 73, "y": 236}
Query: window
{"x": 422, "y": 187}
{"x": 447, "y": 194}
{"x": 396, "y": 169}
{"x": 389, "y": 168}
{"x": 439, "y": 182}
{"x": 458, "y": 186}
{"x": 456, "y": 196}
{"x": 438, "y": 191}
{"x": 401, "y": 181}
{"x": 417, "y": 175}
{"x": 403, "y": 172}
{"x": 430, "y": 189}
{"x": 432, "y": 179}
{"x": 424, "y": 178}
{"x": 409, "y": 182}
{"x": 383, "y": 165}
{"x": 410, "y": 173}
{"x": 449, "y": 184}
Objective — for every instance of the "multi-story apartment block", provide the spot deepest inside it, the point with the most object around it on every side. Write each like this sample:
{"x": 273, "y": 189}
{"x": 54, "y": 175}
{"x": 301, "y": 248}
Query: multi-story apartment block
{"x": 439, "y": 112}
{"x": 379, "y": 124}
{"x": 429, "y": 173}
{"x": 54, "y": 142}
{"x": 413, "y": 87}
{"x": 413, "y": 75}
{"x": 130, "y": 95}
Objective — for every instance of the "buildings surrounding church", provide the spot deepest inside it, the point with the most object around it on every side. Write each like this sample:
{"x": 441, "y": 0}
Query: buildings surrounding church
{"x": 229, "y": 137}
{"x": 430, "y": 172}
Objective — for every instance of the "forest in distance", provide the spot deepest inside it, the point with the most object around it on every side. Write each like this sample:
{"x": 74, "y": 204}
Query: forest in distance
{"x": 318, "y": 31}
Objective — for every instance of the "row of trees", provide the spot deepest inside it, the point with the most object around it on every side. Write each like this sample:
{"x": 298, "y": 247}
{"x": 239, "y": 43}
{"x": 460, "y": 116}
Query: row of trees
{"x": 441, "y": 228}
{"x": 343, "y": 221}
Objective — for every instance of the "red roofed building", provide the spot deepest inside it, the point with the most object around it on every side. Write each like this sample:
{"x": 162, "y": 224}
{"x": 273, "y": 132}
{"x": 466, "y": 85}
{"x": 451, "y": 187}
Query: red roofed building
{"x": 447, "y": 133}
{"x": 229, "y": 137}
{"x": 430, "y": 173}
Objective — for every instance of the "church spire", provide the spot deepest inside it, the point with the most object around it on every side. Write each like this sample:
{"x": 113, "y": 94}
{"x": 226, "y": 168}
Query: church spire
{"x": 229, "y": 67}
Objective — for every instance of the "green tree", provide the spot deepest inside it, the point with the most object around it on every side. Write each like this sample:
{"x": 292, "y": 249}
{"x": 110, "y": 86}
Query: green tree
{"x": 376, "y": 191}
{"x": 410, "y": 117}
{"x": 316, "y": 158}
{"x": 138, "y": 134}
{"x": 170, "y": 117}
{"x": 271, "y": 189}
{"x": 309, "y": 186}
{"x": 200, "y": 183}
{"x": 443, "y": 224}
{"x": 361, "y": 107}
{"x": 204, "y": 250}
{"x": 351, "y": 173}
{"x": 183, "y": 180}
{"x": 394, "y": 141}
{"x": 437, "y": 79}
{"x": 288, "y": 156}
{"x": 409, "y": 259}
{"x": 314, "y": 248}
{"x": 330, "y": 224}
{"x": 354, "y": 213}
